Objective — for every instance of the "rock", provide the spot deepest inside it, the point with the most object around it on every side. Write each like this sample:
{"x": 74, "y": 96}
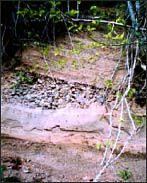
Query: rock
{"x": 60, "y": 101}
{"x": 53, "y": 86}
{"x": 26, "y": 169}
{"x": 39, "y": 81}
{"x": 13, "y": 93}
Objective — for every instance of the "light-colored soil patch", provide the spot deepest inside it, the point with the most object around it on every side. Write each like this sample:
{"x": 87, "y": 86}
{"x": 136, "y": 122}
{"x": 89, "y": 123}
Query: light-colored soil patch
{"x": 81, "y": 60}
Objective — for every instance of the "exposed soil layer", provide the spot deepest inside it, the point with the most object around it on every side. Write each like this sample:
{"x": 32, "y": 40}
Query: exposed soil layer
{"x": 58, "y": 142}
{"x": 47, "y": 162}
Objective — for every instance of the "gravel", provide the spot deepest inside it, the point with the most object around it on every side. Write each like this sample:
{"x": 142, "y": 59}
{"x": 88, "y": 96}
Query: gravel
{"x": 45, "y": 93}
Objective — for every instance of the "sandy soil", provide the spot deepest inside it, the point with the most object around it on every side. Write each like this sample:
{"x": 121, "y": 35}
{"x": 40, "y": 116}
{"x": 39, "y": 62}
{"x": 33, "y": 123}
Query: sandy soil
{"x": 30, "y": 161}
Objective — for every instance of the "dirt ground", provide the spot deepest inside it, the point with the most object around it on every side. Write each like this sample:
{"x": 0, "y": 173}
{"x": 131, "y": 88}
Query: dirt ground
{"x": 32, "y": 161}
{"x": 79, "y": 60}
{"x": 40, "y": 162}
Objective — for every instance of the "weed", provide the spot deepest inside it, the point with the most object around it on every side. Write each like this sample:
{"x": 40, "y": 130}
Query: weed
{"x": 98, "y": 146}
{"x": 108, "y": 143}
{"x": 61, "y": 63}
{"x": 124, "y": 174}
{"x": 138, "y": 119}
{"x": 75, "y": 64}
{"x": 2, "y": 169}
{"x": 57, "y": 51}
{"x": 131, "y": 92}
{"x": 109, "y": 83}
{"x": 22, "y": 78}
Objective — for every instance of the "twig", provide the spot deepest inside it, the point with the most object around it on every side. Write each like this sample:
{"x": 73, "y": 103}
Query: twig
{"x": 104, "y": 22}
{"x": 44, "y": 58}
{"x": 143, "y": 86}
{"x": 17, "y": 17}
{"x": 127, "y": 78}
{"x": 115, "y": 69}
{"x": 62, "y": 14}
{"x": 129, "y": 113}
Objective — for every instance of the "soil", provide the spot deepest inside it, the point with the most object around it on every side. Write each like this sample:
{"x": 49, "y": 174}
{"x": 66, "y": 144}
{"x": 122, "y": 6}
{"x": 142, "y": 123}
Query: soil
{"x": 71, "y": 155}
{"x": 47, "y": 162}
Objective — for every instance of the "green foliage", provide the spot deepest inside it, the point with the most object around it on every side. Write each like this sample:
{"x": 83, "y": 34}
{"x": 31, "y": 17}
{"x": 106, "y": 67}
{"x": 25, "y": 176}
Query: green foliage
{"x": 32, "y": 13}
{"x": 22, "y": 78}
{"x": 75, "y": 64}
{"x": 98, "y": 146}
{"x": 44, "y": 15}
{"x": 124, "y": 174}
{"x": 61, "y": 63}
{"x": 75, "y": 28}
{"x": 56, "y": 15}
{"x": 94, "y": 10}
{"x": 45, "y": 67}
{"x": 36, "y": 43}
{"x": 138, "y": 119}
{"x": 120, "y": 120}
{"x": 72, "y": 13}
{"x": 45, "y": 51}
{"x": 131, "y": 92}
{"x": 119, "y": 94}
{"x": 75, "y": 50}
{"x": 35, "y": 66}
{"x": 120, "y": 21}
{"x": 29, "y": 12}
{"x": 90, "y": 28}
{"x": 108, "y": 143}
{"x": 109, "y": 83}
{"x": 113, "y": 31}
{"x": 57, "y": 51}
{"x": 2, "y": 169}
{"x": 90, "y": 59}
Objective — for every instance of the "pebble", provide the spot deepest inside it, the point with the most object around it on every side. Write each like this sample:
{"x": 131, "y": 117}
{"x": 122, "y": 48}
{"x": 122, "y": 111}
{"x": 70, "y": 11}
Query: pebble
{"x": 40, "y": 81}
{"x": 26, "y": 169}
{"x": 45, "y": 93}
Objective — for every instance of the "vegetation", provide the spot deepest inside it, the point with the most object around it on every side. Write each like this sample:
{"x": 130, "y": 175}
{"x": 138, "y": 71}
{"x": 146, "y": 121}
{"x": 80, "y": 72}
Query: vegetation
{"x": 22, "y": 78}
{"x": 125, "y": 174}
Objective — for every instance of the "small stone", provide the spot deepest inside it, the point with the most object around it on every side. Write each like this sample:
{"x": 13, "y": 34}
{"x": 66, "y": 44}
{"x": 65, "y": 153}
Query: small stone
{"x": 53, "y": 86}
{"x": 26, "y": 169}
{"x": 46, "y": 104}
{"x": 13, "y": 93}
{"x": 32, "y": 100}
{"x": 40, "y": 81}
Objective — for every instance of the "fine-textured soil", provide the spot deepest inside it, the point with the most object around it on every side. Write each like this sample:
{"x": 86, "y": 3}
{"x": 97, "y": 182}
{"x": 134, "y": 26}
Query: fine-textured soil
{"x": 30, "y": 161}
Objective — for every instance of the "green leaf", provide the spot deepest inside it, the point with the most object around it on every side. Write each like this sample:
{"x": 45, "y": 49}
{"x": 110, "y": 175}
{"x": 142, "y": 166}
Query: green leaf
{"x": 138, "y": 120}
{"x": 109, "y": 83}
{"x": 98, "y": 146}
{"x": 120, "y": 120}
{"x": 120, "y": 20}
{"x": 109, "y": 27}
{"x": 118, "y": 37}
{"x": 2, "y": 169}
{"x": 119, "y": 95}
{"x": 93, "y": 10}
{"x": 131, "y": 92}
{"x": 72, "y": 13}
{"x": 124, "y": 174}
{"x": 108, "y": 143}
